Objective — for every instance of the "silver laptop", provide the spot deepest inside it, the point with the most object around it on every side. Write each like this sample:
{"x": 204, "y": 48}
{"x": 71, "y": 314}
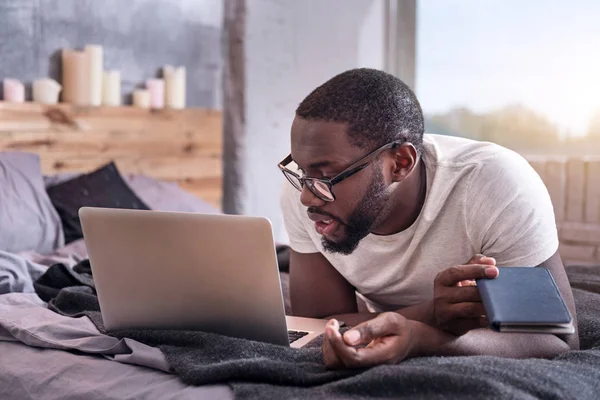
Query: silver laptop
{"x": 212, "y": 273}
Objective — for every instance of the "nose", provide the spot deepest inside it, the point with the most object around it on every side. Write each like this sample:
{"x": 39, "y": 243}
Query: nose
{"x": 309, "y": 199}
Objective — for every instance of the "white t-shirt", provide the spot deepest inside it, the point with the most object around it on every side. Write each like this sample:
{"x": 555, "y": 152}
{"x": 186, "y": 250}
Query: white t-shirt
{"x": 481, "y": 198}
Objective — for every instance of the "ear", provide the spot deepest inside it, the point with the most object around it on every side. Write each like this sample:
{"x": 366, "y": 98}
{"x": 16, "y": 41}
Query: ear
{"x": 405, "y": 160}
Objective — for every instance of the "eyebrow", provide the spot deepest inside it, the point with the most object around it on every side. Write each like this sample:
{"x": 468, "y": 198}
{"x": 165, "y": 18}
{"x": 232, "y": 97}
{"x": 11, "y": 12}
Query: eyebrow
{"x": 321, "y": 164}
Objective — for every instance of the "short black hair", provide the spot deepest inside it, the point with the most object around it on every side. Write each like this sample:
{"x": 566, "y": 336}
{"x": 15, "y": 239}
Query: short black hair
{"x": 378, "y": 107}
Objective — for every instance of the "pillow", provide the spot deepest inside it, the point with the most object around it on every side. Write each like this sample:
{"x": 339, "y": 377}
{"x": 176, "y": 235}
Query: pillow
{"x": 167, "y": 196}
{"x": 102, "y": 188}
{"x": 28, "y": 221}
{"x": 157, "y": 194}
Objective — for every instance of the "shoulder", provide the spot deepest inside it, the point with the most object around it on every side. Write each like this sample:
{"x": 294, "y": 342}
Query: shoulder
{"x": 490, "y": 165}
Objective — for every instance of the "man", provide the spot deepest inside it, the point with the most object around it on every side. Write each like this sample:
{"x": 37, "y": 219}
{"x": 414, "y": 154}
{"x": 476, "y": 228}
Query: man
{"x": 407, "y": 221}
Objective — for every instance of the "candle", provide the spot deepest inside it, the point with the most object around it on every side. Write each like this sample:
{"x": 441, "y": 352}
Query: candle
{"x": 141, "y": 98}
{"x": 46, "y": 91}
{"x": 75, "y": 78}
{"x": 14, "y": 91}
{"x": 174, "y": 86}
{"x": 111, "y": 82}
{"x": 156, "y": 87}
{"x": 95, "y": 60}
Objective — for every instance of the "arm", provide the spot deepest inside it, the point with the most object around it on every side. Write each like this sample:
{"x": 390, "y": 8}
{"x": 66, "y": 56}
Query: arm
{"x": 395, "y": 338}
{"x": 317, "y": 289}
{"x": 432, "y": 341}
{"x": 419, "y": 312}
{"x": 555, "y": 266}
{"x": 513, "y": 345}
{"x": 390, "y": 338}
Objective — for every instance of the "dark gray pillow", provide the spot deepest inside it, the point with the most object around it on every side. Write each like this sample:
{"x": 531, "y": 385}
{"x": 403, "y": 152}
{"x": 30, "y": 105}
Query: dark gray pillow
{"x": 102, "y": 188}
{"x": 28, "y": 221}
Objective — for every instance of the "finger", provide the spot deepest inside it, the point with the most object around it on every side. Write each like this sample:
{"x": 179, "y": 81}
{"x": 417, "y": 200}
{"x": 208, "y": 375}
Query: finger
{"x": 468, "y": 282}
{"x": 481, "y": 259}
{"x": 381, "y": 350}
{"x": 384, "y": 324}
{"x": 453, "y": 275}
{"x": 346, "y": 354}
{"x": 384, "y": 350}
{"x": 462, "y": 294}
{"x": 330, "y": 359}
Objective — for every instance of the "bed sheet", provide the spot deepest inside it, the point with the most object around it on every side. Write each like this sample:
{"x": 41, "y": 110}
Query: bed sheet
{"x": 47, "y": 374}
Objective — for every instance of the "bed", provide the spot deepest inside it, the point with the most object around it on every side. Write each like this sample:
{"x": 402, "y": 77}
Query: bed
{"x": 50, "y": 165}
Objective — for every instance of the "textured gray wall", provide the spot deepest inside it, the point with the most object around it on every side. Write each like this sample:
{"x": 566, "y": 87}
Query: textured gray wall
{"x": 139, "y": 37}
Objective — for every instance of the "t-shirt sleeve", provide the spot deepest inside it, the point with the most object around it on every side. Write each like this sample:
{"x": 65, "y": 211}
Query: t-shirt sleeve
{"x": 509, "y": 212}
{"x": 300, "y": 240}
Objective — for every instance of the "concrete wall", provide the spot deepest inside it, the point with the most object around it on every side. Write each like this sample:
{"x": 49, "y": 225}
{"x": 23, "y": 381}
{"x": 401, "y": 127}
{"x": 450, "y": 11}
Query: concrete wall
{"x": 291, "y": 48}
{"x": 138, "y": 36}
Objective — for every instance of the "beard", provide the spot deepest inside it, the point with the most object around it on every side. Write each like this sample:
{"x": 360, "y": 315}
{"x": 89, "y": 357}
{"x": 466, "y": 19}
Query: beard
{"x": 362, "y": 220}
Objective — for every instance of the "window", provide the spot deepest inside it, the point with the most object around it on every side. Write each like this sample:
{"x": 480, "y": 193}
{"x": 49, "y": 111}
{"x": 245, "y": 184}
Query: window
{"x": 523, "y": 74}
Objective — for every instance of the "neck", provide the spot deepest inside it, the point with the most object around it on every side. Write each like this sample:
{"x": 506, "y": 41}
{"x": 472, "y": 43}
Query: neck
{"x": 405, "y": 203}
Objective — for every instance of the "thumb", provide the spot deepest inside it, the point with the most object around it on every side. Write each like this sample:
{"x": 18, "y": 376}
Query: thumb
{"x": 481, "y": 259}
{"x": 385, "y": 324}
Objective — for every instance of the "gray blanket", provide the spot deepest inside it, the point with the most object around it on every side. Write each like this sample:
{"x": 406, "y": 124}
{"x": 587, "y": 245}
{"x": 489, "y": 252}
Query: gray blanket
{"x": 259, "y": 370}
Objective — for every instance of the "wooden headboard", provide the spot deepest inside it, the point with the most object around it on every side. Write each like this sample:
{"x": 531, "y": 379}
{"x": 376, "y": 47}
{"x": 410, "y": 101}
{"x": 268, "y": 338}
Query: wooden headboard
{"x": 183, "y": 146}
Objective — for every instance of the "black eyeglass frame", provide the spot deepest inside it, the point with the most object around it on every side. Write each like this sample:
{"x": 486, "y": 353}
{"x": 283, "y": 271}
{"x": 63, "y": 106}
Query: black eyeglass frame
{"x": 345, "y": 174}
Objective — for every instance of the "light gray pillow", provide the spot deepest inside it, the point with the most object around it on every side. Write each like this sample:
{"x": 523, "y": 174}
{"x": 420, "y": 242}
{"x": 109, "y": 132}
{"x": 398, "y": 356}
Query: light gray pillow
{"x": 28, "y": 220}
{"x": 161, "y": 195}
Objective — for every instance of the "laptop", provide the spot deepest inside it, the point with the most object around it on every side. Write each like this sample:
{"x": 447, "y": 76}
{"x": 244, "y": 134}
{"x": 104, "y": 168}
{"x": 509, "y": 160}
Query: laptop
{"x": 206, "y": 272}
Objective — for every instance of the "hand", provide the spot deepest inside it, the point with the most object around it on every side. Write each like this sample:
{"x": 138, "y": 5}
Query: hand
{"x": 386, "y": 339}
{"x": 457, "y": 307}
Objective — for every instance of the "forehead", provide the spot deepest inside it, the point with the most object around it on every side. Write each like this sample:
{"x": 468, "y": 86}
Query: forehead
{"x": 320, "y": 142}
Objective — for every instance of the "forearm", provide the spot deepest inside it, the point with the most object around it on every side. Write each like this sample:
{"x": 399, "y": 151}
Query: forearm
{"x": 420, "y": 312}
{"x": 430, "y": 341}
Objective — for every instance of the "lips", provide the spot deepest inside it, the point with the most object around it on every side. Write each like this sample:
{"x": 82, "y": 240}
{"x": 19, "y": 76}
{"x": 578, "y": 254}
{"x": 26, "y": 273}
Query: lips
{"x": 324, "y": 224}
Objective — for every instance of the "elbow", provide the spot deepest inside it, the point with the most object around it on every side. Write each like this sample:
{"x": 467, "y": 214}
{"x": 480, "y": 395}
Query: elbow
{"x": 552, "y": 348}
{"x": 556, "y": 350}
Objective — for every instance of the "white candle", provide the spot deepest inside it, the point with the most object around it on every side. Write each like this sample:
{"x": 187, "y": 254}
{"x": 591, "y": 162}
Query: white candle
{"x": 75, "y": 78}
{"x": 156, "y": 87}
{"x": 141, "y": 98}
{"x": 46, "y": 91}
{"x": 96, "y": 66}
{"x": 111, "y": 82}
{"x": 14, "y": 91}
{"x": 174, "y": 86}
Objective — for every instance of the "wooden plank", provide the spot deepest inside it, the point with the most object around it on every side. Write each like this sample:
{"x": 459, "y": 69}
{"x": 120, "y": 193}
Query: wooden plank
{"x": 539, "y": 165}
{"x": 169, "y": 168}
{"x": 592, "y": 196}
{"x": 198, "y": 184}
{"x": 36, "y": 117}
{"x": 66, "y": 145}
{"x": 575, "y": 189}
{"x": 555, "y": 175}
{"x": 183, "y": 146}
{"x": 576, "y": 251}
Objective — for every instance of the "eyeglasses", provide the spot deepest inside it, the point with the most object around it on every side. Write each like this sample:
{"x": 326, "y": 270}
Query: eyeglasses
{"x": 321, "y": 187}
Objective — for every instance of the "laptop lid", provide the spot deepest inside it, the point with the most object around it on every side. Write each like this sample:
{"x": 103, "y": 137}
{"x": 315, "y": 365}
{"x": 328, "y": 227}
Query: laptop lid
{"x": 167, "y": 270}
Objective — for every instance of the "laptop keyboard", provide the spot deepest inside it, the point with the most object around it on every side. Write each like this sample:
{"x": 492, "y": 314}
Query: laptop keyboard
{"x": 296, "y": 335}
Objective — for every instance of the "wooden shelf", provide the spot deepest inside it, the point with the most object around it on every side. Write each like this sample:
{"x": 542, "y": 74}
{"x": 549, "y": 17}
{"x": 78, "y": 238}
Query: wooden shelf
{"x": 184, "y": 146}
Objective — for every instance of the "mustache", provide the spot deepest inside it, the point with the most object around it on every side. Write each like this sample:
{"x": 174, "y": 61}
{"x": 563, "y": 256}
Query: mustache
{"x": 314, "y": 210}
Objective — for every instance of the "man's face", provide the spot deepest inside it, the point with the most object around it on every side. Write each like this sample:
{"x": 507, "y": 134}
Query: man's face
{"x": 322, "y": 150}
